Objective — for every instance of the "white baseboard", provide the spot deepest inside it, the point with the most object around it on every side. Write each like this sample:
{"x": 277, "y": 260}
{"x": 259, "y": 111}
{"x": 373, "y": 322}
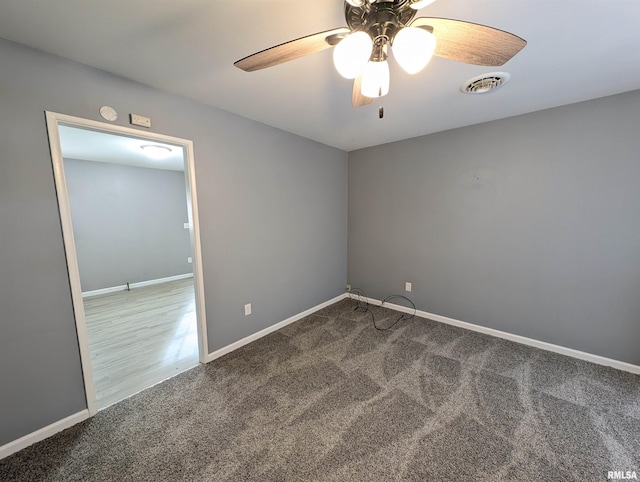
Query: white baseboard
{"x": 234, "y": 346}
{"x": 67, "y": 422}
{"x": 43, "y": 433}
{"x": 600, "y": 360}
{"x": 139, "y": 284}
{"x": 60, "y": 425}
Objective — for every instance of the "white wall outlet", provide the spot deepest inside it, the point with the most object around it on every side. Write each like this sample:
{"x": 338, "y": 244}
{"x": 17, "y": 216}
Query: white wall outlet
{"x": 407, "y": 286}
{"x": 139, "y": 120}
{"x": 348, "y": 287}
{"x": 247, "y": 309}
{"x": 185, "y": 225}
{"x": 189, "y": 260}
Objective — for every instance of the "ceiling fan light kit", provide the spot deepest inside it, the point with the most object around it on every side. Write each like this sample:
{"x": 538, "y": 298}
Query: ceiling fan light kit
{"x": 352, "y": 53}
{"x": 375, "y": 79}
{"x": 413, "y": 48}
{"x": 361, "y": 50}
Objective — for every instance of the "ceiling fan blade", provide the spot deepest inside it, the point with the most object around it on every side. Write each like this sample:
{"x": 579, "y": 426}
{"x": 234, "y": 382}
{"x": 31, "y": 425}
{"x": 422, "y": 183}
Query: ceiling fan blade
{"x": 471, "y": 43}
{"x": 292, "y": 50}
{"x": 357, "y": 99}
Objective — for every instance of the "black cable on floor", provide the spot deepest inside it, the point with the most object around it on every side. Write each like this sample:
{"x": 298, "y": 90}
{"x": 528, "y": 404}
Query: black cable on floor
{"x": 363, "y": 303}
{"x": 363, "y": 306}
{"x": 402, "y": 316}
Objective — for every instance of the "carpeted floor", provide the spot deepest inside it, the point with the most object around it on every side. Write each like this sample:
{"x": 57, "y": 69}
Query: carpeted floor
{"x": 330, "y": 398}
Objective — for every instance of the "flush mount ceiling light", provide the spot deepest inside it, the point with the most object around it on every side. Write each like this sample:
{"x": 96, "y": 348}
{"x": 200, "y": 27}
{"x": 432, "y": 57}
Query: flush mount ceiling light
{"x": 377, "y": 26}
{"x": 155, "y": 151}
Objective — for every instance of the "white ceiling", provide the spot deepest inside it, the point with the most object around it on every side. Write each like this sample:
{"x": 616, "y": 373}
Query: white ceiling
{"x": 90, "y": 145}
{"x": 577, "y": 50}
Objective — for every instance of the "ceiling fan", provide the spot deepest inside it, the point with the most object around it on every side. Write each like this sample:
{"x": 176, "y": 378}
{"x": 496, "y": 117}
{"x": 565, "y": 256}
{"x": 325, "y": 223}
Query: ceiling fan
{"x": 362, "y": 49}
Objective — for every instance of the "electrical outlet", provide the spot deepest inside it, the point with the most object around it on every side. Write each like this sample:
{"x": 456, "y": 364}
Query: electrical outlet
{"x": 189, "y": 260}
{"x": 186, "y": 226}
{"x": 407, "y": 286}
{"x": 247, "y": 309}
{"x": 348, "y": 287}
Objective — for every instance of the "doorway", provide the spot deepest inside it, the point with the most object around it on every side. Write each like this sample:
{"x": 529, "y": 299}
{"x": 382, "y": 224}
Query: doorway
{"x": 144, "y": 292}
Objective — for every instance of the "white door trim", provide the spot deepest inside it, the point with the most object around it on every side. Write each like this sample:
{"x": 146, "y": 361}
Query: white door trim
{"x": 53, "y": 121}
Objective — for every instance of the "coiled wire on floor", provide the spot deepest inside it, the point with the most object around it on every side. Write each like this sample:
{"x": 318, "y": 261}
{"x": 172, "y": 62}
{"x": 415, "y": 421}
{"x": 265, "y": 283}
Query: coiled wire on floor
{"x": 363, "y": 306}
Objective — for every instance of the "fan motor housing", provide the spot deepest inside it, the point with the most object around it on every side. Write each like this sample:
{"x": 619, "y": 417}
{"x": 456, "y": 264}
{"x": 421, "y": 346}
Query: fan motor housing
{"x": 379, "y": 18}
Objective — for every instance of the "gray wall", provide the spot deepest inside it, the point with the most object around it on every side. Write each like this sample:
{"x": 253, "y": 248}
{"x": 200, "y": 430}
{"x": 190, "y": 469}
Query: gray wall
{"x": 128, "y": 223}
{"x": 272, "y": 217}
{"x": 529, "y": 225}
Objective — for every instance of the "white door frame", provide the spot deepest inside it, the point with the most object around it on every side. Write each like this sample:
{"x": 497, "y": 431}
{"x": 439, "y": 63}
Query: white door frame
{"x": 53, "y": 121}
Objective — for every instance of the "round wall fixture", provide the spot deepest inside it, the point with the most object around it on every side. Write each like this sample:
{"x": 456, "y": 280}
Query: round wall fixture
{"x": 108, "y": 113}
{"x": 485, "y": 83}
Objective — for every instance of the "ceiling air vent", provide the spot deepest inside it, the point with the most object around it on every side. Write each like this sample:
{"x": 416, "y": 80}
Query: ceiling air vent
{"x": 485, "y": 83}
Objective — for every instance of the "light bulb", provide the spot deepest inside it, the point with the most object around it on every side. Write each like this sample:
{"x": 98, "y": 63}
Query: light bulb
{"x": 413, "y": 47}
{"x": 352, "y": 54}
{"x": 356, "y": 3}
{"x": 418, "y": 4}
{"x": 375, "y": 79}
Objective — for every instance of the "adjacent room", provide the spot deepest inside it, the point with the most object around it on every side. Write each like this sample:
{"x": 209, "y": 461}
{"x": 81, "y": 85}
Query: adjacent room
{"x": 399, "y": 240}
{"x": 130, "y": 214}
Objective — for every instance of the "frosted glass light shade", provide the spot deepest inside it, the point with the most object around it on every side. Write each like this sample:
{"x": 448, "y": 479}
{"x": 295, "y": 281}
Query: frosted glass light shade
{"x": 418, "y": 4}
{"x": 413, "y": 48}
{"x": 155, "y": 151}
{"x": 375, "y": 79}
{"x": 352, "y": 54}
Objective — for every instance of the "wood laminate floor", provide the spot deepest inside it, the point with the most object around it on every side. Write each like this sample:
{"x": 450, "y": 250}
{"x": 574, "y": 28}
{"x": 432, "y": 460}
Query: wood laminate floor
{"x": 140, "y": 337}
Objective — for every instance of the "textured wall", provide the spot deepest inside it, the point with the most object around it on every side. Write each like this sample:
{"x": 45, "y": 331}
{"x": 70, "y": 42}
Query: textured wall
{"x": 528, "y": 225}
{"x": 128, "y": 223}
{"x": 272, "y": 211}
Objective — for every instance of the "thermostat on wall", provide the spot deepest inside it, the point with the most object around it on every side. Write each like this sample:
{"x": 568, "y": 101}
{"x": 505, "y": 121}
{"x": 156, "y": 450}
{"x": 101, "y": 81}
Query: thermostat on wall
{"x": 108, "y": 113}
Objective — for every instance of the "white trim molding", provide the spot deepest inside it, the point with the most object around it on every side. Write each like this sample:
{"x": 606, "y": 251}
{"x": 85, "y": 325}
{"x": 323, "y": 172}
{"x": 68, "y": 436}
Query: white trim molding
{"x": 139, "y": 284}
{"x": 53, "y": 121}
{"x": 244, "y": 341}
{"x": 581, "y": 355}
{"x": 43, "y": 433}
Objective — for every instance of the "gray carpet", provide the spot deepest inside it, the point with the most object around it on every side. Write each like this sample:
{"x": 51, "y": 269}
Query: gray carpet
{"x": 330, "y": 398}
